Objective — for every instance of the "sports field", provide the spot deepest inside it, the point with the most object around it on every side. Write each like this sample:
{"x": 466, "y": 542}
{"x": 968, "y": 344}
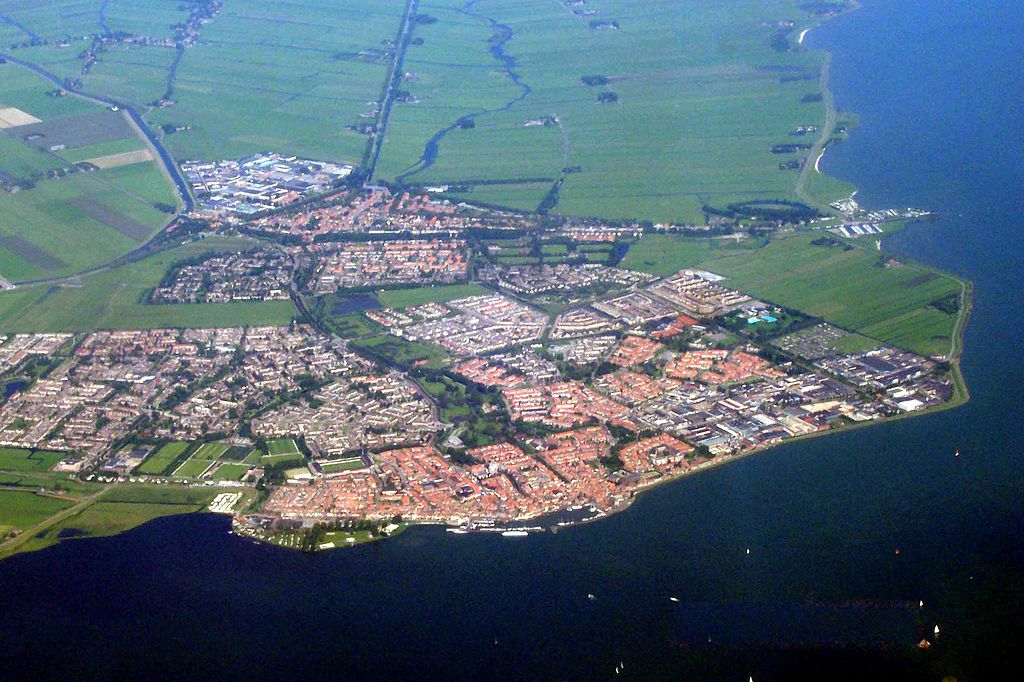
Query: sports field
{"x": 159, "y": 461}
{"x": 229, "y": 472}
{"x": 282, "y": 446}
{"x": 114, "y": 299}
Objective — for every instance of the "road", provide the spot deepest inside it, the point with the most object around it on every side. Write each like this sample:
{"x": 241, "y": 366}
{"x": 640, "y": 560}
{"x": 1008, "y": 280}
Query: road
{"x": 390, "y": 85}
{"x": 166, "y": 160}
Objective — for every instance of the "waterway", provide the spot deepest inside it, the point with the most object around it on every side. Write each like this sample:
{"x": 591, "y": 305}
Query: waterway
{"x": 846, "y": 534}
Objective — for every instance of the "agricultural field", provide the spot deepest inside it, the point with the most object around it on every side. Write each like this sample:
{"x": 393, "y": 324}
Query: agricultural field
{"x": 666, "y": 254}
{"x": 117, "y": 510}
{"x": 79, "y": 219}
{"x": 315, "y": 72}
{"x": 16, "y": 459}
{"x": 114, "y": 299}
{"x": 695, "y": 97}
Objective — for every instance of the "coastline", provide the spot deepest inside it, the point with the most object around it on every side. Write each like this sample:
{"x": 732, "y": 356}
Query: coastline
{"x": 831, "y": 113}
{"x": 961, "y": 393}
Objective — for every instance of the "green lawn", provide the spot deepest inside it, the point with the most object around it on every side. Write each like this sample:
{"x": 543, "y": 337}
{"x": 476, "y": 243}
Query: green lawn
{"x": 404, "y": 352}
{"x": 23, "y": 510}
{"x": 16, "y": 459}
{"x": 286, "y": 459}
{"x": 193, "y": 467}
{"x": 230, "y": 472}
{"x": 282, "y": 446}
{"x": 402, "y": 298}
{"x": 343, "y": 465}
{"x": 114, "y": 299}
{"x": 210, "y": 451}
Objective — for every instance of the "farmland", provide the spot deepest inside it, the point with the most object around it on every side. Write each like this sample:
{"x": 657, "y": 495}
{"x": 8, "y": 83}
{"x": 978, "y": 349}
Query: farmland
{"x": 22, "y": 510}
{"x": 697, "y": 98}
{"x": 643, "y": 112}
{"x": 314, "y": 72}
{"x": 14, "y": 459}
{"x": 113, "y": 299}
{"x": 74, "y": 220}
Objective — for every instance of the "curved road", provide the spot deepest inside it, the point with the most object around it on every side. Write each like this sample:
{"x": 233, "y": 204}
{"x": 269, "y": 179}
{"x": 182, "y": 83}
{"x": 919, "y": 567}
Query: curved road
{"x": 166, "y": 160}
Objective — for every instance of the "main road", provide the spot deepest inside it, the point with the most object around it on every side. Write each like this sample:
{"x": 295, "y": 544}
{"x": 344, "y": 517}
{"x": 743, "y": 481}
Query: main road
{"x": 391, "y": 83}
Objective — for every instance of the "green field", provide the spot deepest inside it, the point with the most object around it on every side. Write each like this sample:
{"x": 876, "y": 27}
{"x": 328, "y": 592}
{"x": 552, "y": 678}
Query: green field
{"x": 158, "y": 461}
{"x": 229, "y": 472}
{"x": 282, "y": 446}
{"x": 701, "y": 98}
{"x": 315, "y": 71}
{"x": 59, "y": 226}
{"x": 665, "y": 254}
{"x": 16, "y": 459}
{"x": 210, "y": 451}
{"x": 193, "y": 467}
{"x": 283, "y": 460}
{"x": 23, "y": 510}
{"x": 847, "y": 286}
{"x": 404, "y": 353}
{"x": 401, "y": 298}
{"x": 114, "y": 299}
{"x": 343, "y": 465}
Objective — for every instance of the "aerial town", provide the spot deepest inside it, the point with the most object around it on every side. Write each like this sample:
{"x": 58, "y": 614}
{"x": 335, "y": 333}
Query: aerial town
{"x": 558, "y": 382}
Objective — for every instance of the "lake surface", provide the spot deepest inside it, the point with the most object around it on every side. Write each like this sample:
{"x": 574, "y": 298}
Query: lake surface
{"x": 846, "y": 533}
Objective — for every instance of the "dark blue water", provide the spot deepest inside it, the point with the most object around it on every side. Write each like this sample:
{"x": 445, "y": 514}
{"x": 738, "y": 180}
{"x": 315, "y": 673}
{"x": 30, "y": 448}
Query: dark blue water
{"x": 823, "y": 593}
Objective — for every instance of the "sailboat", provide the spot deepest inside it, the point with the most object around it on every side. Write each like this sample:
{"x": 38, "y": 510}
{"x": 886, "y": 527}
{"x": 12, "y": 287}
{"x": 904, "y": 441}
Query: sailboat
{"x": 936, "y": 630}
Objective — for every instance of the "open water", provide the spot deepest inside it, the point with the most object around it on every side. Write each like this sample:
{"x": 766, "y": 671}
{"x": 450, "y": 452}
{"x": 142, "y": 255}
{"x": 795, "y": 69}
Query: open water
{"x": 822, "y": 594}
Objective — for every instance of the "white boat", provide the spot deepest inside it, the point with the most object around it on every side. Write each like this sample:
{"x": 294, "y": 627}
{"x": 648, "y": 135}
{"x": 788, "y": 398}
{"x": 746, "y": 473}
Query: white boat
{"x": 675, "y": 599}
{"x": 457, "y": 531}
{"x": 936, "y": 630}
{"x": 514, "y": 533}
